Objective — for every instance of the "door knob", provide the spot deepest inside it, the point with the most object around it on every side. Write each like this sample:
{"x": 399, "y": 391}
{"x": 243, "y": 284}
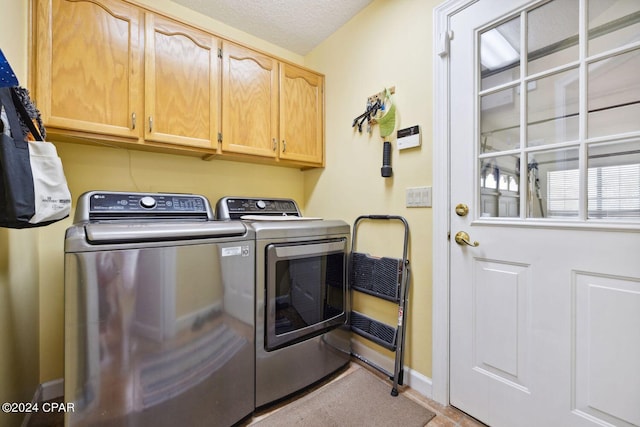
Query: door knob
{"x": 462, "y": 238}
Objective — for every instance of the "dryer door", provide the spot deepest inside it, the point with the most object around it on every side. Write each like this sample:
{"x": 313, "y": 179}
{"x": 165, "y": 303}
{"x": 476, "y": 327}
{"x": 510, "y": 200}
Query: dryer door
{"x": 306, "y": 286}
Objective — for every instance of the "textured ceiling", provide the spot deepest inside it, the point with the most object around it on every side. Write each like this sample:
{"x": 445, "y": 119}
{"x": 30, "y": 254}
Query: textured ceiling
{"x": 296, "y": 25}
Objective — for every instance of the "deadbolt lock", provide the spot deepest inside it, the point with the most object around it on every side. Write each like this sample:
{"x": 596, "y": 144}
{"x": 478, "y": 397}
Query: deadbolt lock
{"x": 462, "y": 209}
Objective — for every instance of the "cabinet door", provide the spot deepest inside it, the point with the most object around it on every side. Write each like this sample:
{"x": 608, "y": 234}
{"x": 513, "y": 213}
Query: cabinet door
{"x": 249, "y": 102}
{"x": 88, "y": 65}
{"x": 181, "y": 84}
{"x": 301, "y": 115}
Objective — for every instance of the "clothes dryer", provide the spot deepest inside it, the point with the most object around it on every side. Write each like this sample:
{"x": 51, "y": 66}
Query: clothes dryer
{"x": 302, "y": 299}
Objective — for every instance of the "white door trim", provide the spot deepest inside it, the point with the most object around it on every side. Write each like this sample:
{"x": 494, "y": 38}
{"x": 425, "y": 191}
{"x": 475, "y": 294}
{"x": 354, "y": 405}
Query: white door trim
{"x": 441, "y": 169}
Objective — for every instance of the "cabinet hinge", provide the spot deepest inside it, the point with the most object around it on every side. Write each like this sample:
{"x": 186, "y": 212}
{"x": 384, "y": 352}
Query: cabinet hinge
{"x": 219, "y": 52}
{"x": 219, "y": 136}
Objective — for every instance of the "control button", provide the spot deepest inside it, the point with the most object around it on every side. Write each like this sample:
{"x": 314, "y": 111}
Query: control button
{"x": 148, "y": 202}
{"x": 260, "y": 204}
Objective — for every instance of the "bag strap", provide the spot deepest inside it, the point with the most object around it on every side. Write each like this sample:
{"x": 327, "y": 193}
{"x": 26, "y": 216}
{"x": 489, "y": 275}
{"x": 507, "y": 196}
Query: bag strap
{"x": 25, "y": 115}
{"x": 12, "y": 116}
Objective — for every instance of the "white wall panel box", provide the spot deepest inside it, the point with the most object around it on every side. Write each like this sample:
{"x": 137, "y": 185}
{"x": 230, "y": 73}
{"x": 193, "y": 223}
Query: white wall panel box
{"x": 409, "y": 137}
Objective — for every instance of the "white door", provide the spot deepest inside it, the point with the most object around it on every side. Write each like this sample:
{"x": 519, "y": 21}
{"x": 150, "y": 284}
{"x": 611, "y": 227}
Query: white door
{"x": 545, "y": 153}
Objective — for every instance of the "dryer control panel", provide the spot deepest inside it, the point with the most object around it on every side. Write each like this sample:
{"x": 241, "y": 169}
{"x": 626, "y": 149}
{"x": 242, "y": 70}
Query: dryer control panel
{"x": 236, "y": 207}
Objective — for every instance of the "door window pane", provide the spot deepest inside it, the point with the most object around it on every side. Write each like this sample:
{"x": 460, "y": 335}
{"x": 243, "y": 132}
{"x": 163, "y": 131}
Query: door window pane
{"x": 612, "y": 23}
{"x": 552, "y": 37}
{"x": 559, "y": 116}
{"x": 500, "y": 54}
{"x": 499, "y": 187}
{"x": 614, "y": 180}
{"x": 614, "y": 95}
{"x": 553, "y": 184}
{"x": 500, "y": 121}
{"x": 553, "y": 109}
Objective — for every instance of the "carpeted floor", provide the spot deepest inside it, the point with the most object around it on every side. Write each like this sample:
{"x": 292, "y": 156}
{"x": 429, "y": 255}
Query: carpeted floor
{"x": 357, "y": 399}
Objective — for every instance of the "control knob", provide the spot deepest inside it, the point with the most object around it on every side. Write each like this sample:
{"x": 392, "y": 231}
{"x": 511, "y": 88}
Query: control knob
{"x": 260, "y": 204}
{"x": 148, "y": 202}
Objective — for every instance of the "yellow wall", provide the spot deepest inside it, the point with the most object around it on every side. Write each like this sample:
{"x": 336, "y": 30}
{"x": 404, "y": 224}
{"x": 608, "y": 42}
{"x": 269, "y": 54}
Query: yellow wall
{"x": 98, "y": 167}
{"x": 19, "y": 347}
{"x": 104, "y": 168}
{"x": 92, "y": 167}
{"x": 387, "y": 44}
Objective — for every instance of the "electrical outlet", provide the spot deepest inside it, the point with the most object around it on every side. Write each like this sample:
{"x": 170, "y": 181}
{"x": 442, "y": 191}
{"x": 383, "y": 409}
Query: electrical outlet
{"x": 418, "y": 197}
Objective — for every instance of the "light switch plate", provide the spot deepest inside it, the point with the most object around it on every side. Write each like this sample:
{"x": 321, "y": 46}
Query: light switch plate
{"x": 418, "y": 197}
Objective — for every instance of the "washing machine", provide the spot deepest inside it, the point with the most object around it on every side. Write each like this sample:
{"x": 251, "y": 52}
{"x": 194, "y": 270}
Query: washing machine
{"x": 159, "y": 312}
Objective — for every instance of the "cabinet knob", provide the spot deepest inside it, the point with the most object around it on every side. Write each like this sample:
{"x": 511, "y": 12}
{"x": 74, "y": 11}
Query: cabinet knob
{"x": 150, "y": 123}
{"x": 284, "y": 145}
{"x": 133, "y": 121}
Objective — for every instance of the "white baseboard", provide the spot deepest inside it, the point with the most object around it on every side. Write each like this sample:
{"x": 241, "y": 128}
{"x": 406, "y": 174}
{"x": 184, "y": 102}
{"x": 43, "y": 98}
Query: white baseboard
{"x": 52, "y": 389}
{"x": 414, "y": 379}
{"x": 419, "y": 382}
{"x": 45, "y": 391}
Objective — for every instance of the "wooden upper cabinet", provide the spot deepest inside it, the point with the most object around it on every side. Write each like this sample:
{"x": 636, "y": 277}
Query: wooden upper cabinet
{"x": 249, "y": 102}
{"x": 271, "y": 108}
{"x": 301, "y": 115}
{"x": 109, "y": 70}
{"x": 89, "y": 65}
{"x": 181, "y": 84}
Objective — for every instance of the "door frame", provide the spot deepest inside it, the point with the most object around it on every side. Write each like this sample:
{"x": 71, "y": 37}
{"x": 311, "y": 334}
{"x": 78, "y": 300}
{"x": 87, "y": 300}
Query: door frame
{"x": 441, "y": 197}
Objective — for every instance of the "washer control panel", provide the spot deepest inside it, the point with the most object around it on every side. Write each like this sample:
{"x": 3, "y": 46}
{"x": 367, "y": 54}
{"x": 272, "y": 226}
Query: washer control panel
{"x": 236, "y": 207}
{"x": 101, "y": 205}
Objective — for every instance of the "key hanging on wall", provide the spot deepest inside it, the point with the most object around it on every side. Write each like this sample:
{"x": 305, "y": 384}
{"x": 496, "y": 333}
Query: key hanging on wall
{"x": 380, "y": 110}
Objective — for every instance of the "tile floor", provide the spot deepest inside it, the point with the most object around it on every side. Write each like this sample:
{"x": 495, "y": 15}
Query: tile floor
{"x": 446, "y": 416}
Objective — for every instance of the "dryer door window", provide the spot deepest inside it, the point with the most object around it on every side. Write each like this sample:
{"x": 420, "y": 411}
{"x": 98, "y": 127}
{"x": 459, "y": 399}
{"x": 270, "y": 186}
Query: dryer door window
{"x": 306, "y": 290}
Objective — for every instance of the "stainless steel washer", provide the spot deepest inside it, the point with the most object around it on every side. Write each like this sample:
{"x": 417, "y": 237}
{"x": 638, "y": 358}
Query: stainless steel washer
{"x": 159, "y": 303}
{"x": 301, "y": 294}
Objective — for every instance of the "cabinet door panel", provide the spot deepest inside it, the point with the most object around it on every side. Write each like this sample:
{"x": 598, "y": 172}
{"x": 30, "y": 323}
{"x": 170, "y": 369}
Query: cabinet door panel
{"x": 181, "y": 84}
{"x": 301, "y": 115}
{"x": 249, "y": 102}
{"x": 88, "y": 64}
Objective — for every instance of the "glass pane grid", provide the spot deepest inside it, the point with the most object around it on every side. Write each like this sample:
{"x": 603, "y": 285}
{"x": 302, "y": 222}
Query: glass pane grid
{"x": 559, "y": 117}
